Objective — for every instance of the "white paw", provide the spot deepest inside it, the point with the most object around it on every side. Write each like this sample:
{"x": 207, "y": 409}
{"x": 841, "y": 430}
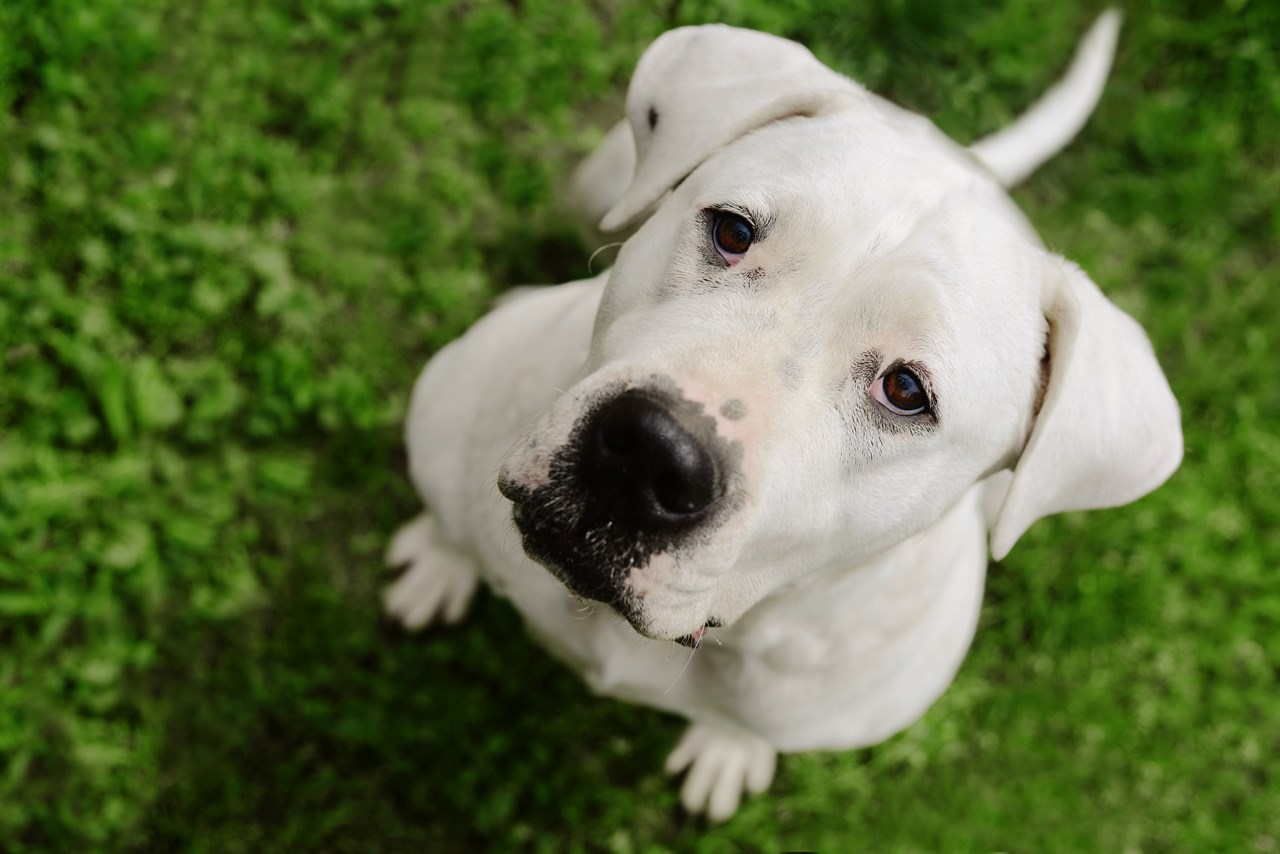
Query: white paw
{"x": 438, "y": 584}
{"x": 722, "y": 763}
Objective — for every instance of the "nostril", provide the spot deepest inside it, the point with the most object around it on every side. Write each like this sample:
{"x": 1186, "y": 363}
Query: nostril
{"x": 686, "y": 484}
{"x": 617, "y": 436}
{"x": 682, "y": 495}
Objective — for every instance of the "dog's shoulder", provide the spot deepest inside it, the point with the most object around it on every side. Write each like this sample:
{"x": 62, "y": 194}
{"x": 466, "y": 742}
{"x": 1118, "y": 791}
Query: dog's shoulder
{"x": 492, "y": 379}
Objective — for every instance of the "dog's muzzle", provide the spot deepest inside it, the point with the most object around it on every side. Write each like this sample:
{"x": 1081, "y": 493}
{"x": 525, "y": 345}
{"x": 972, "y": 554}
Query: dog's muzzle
{"x": 642, "y": 474}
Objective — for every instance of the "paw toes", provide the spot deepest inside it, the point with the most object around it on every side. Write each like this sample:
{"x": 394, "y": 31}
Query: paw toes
{"x": 686, "y": 750}
{"x": 697, "y": 785}
{"x": 409, "y": 588}
{"x": 411, "y": 540}
{"x": 722, "y": 766}
{"x": 419, "y": 612}
{"x": 760, "y": 771}
{"x": 457, "y": 598}
{"x": 438, "y": 583}
{"x": 726, "y": 792}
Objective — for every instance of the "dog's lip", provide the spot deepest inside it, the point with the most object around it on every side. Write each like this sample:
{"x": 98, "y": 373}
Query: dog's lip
{"x": 694, "y": 639}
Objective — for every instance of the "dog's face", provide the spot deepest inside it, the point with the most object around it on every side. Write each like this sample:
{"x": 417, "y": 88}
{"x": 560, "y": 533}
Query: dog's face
{"x": 828, "y": 332}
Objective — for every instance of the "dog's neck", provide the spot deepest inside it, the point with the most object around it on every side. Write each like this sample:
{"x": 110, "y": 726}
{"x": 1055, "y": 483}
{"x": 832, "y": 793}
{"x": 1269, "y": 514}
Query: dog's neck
{"x": 882, "y": 601}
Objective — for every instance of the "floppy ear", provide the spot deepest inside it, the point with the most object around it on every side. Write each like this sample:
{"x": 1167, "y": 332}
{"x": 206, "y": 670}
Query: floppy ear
{"x": 699, "y": 88}
{"x": 1108, "y": 431}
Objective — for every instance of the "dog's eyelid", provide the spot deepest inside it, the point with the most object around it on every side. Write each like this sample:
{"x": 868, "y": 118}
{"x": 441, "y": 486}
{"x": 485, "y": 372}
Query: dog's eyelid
{"x": 759, "y": 221}
{"x": 735, "y": 210}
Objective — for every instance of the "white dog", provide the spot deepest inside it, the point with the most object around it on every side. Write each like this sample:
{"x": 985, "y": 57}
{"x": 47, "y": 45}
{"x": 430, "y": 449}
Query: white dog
{"x": 831, "y": 358}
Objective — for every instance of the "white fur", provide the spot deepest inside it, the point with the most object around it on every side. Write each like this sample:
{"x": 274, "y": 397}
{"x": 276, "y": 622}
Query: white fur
{"x": 849, "y": 576}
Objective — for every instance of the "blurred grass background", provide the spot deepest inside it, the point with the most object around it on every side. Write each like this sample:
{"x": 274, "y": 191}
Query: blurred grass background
{"x": 232, "y": 232}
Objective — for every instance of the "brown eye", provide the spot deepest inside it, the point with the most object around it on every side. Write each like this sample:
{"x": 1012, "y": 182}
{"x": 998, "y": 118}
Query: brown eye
{"x": 732, "y": 235}
{"x": 901, "y": 391}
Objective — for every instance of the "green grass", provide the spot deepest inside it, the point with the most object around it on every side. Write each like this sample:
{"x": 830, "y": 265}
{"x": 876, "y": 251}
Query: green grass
{"x": 230, "y": 235}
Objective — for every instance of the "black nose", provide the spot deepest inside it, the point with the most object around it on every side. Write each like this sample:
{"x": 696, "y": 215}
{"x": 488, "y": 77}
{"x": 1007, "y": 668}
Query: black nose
{"x": 644, "y": 466}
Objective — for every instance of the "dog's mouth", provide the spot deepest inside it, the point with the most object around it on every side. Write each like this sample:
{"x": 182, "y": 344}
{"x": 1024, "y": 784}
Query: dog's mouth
{"x": 694, "y": 640}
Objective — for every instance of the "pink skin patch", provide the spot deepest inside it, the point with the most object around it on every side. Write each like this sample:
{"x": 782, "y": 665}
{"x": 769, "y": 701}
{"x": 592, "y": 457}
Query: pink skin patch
{"x": 697, "y": 636}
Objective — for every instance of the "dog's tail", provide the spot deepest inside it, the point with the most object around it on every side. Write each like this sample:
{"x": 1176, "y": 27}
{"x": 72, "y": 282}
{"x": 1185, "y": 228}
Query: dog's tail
{"x": 1014, "y": 153}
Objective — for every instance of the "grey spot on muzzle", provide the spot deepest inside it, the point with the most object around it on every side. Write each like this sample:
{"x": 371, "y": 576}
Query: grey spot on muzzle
{"x": 734, "y": 410}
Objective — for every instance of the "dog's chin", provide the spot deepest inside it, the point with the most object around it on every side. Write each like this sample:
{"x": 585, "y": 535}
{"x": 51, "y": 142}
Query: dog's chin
{"x": 683, "y": 636}
{"x": 685, "y": 626}
{"x": 679, "y": 629}
{"x": 645, "y": 628}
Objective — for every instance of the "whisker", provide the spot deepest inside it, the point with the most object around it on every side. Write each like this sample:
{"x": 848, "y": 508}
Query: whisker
{"x": 692, "y": 653}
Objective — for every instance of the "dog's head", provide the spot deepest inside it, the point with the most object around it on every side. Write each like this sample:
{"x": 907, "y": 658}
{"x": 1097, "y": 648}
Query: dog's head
{"x": 833, "y": 324}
